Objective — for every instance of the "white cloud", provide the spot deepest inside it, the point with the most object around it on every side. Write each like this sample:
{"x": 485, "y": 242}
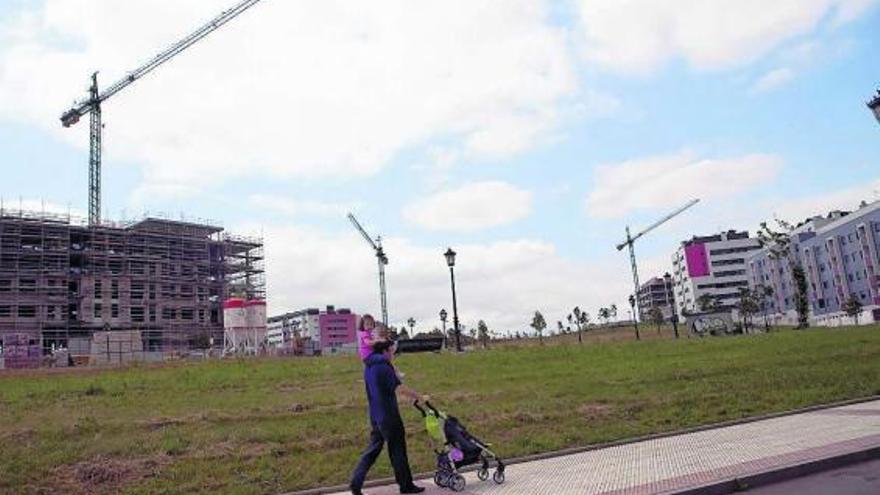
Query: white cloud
{"x": 667, "y": 181}
{"x": 639, "y": 36}
{"x": 474, "y": 206}
{"x": 501, "y": 282}
{"x": 313, "y": 87}
{"x": 773, "y": 79}
{"x": 298, "y": 207}
{"x": 801, "y": 208}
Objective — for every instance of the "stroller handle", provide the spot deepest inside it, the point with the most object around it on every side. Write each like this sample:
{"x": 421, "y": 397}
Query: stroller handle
{"x": 429, "y": 406}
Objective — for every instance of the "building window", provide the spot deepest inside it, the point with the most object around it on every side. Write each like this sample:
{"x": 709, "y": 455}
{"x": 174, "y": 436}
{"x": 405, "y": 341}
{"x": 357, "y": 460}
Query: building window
{"x": 152, "y": 313}
{"x": 27, "y": 311}
{"x": 27, "y": 285}
{"x": 187, "y": 314}
{"x": 98, "y": 310}
{"x": 850, "y": 277}
{"x": 5, "y": 311}
{"x": 5, "y": 285}
{"x": 137, "y": 315}
{"x": 50, "y": 313}
{"x": 114, "y": 311}
{"x": 98, "y": 289}
{"x": 114, "y": 289}
{"x": 169, "y": 314}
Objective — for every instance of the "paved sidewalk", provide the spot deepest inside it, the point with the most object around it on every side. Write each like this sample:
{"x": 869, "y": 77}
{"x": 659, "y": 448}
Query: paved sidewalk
{"x": 673, "y": 464}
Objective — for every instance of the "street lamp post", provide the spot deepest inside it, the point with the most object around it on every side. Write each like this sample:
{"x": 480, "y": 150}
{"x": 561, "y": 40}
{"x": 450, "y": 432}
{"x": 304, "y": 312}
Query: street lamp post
{"x": 632, "y": 304}
{"x": 450, "y": 260}
{"x": 443, "y": 315}
{"x": 673, "y": 314}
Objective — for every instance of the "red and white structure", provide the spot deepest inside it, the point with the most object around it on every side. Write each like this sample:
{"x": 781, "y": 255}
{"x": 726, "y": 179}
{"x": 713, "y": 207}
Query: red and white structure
{"x": 244, "y": 326}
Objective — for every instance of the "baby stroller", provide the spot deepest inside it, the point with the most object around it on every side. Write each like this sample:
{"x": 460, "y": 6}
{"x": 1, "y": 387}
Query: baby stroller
{"x": 457, "y": 448}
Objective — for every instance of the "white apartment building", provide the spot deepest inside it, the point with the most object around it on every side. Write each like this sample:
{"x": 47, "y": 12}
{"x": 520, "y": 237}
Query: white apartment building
{"x": 711, "y": 265}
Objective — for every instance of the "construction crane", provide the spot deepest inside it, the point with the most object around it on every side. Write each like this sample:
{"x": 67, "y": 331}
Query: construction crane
{"x": 92, "y": 103}
{"x": 630, "y": 242}
{"x": 382, "y": 259}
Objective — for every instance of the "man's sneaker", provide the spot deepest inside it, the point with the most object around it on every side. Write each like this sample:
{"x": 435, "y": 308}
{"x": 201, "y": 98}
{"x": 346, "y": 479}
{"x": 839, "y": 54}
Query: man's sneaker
{"x": 412, "y": 489}
{"x": 356, "y": 491}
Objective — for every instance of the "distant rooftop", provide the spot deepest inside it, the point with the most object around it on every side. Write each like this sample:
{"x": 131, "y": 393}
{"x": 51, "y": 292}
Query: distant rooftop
{"x": 151, "y": 224}
{"x": 730, "y": 235}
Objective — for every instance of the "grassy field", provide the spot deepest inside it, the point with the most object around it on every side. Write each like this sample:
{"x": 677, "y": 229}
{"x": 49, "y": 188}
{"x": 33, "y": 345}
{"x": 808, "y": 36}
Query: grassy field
{"x": 269, "y": 426}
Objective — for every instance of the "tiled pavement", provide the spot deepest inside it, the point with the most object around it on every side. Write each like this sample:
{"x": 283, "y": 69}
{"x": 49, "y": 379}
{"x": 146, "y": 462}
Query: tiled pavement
{"x": 675, "y": 463}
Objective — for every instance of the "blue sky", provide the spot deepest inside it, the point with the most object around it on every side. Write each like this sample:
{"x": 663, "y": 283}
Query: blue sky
{"x": 526, "y": 134}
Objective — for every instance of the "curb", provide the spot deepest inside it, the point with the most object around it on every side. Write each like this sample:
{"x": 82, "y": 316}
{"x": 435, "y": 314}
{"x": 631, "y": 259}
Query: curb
{"x": 730, "y": 483}
{"x": 780, "y": 474}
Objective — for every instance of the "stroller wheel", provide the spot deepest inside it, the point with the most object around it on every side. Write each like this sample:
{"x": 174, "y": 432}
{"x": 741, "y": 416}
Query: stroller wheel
{"x": 456, "y": 482}
{"x": 498, "y": 477}
{"x": 441, "y": 479}
{"x": 483, "y": 474}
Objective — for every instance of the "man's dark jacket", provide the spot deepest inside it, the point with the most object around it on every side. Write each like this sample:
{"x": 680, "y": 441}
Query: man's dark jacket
{"x": 381, "y": 383}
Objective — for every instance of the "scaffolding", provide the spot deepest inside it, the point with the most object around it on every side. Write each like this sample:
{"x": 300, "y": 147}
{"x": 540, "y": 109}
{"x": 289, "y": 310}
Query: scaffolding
{"x": 62, "y": 280}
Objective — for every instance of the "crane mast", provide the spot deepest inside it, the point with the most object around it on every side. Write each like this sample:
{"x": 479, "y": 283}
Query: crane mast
{"x": 382, "y": 260}
{"x": 630, "y": 243}
{"x": 92, "y": 104}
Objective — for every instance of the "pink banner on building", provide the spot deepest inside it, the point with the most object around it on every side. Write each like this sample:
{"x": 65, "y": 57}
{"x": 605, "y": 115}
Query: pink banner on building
{"x": 697, "y": 260}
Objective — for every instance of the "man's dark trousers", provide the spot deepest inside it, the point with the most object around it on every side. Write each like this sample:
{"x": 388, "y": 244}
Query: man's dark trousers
{"x": 395, "y": 436}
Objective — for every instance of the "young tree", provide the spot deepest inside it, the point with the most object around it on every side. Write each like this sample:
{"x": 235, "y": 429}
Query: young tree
{"x": 412, "y": 324}
{"x": 656, "y": 315}
{"x": 707, "y": 303}
{"x": 748, "y": 306}
{"x": 539, "y": 324}
{"x": 762, "y": 293}
{"x": 779, "y": 246}
{"x": 612, "y": 312}
{"x": 483, "y": 331}
{"x": 604, "y": 314}
{"x": 853, "y": 308}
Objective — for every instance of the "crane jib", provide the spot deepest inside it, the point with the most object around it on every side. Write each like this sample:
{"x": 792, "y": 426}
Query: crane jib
{"x": 92, "y": 104}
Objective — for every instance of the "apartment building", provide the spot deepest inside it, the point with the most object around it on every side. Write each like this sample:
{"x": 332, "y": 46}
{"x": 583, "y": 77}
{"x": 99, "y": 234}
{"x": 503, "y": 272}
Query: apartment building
{"x": 655, "y": 293}
{"x": 839, "y": 255}
{"x": 711, "y": 269}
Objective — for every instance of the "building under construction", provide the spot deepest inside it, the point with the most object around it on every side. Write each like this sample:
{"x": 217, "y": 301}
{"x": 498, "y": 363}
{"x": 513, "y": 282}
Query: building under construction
{"x": 62, "y": 280}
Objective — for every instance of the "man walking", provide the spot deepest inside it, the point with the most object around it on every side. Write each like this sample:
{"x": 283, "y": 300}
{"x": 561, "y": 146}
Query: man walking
{"x": 382, "y": 385}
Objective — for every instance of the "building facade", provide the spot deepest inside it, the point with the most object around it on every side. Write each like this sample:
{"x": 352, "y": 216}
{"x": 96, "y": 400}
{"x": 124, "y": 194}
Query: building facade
{"x": 62, "y": 280}
{"x": 711, "y": 269}
{"x": 314, "y": 331}
{"x": 839, "y": 255}
{"x": 655, "y": 293}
